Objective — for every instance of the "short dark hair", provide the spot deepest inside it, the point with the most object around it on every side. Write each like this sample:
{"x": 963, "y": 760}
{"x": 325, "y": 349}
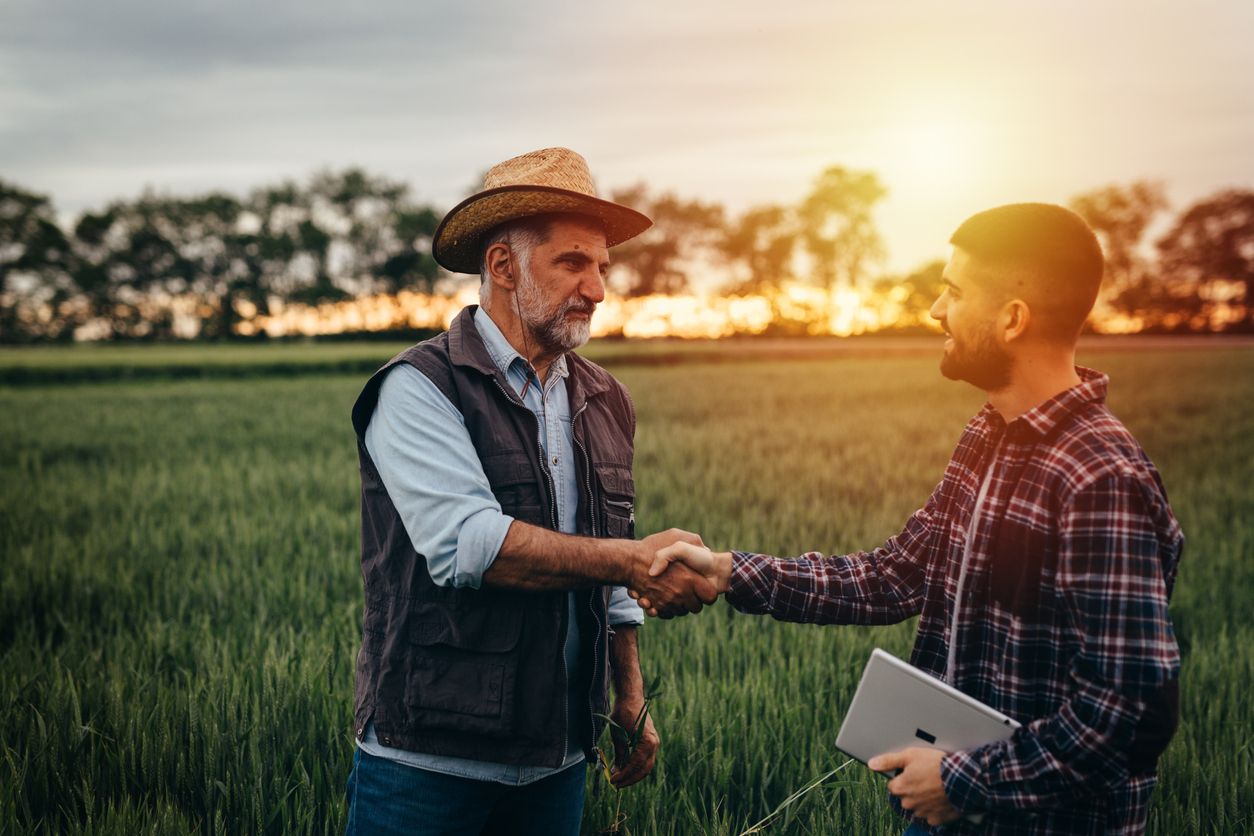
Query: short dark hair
{"x": 1052, "y": 247}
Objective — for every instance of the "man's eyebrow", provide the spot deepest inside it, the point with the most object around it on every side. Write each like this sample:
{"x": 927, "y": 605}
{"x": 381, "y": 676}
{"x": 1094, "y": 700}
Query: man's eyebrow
{"x": 579, "y": 257}
{"x": 945, "y": 280}
{"x": 573, "y": 255}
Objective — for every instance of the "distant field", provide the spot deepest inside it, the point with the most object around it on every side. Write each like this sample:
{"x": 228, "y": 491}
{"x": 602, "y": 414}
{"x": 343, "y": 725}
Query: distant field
{"x": 27, "y": 366}
{"x": 94, "y": 362}
{"x": 180, "y": 598}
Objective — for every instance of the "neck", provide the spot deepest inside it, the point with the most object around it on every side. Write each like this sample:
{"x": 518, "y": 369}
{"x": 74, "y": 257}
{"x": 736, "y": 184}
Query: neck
{"x": 1035, "y": 378}
{"x": 522, "y": 341}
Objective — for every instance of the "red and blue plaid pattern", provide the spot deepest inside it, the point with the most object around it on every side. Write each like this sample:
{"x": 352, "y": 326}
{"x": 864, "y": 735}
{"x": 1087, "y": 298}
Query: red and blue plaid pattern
{"x": 1063, "y": 622}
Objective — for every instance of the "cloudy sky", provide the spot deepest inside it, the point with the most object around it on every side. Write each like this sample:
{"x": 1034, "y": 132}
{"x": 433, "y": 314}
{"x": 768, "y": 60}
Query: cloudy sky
{"x": 958, "y": 106}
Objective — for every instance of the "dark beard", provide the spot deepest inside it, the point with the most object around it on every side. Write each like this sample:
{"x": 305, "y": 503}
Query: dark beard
{"x": 982, "y": 363}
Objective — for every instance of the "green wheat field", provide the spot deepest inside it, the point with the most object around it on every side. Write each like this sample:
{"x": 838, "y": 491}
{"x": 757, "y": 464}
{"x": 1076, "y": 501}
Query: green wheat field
{"x": 180, "y": 597}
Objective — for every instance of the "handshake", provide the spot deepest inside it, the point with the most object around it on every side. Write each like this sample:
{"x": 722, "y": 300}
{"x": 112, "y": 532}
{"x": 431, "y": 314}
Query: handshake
{"x": 676, "y": 574}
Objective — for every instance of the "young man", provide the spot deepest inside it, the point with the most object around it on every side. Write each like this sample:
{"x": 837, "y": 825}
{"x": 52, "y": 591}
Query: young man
{"x": 1041, "y": 566}
{"x": 491, "y": 632}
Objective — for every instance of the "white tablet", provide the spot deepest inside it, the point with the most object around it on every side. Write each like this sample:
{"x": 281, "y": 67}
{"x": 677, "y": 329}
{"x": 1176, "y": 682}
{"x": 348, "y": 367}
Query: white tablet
{"x": 897, "y": 706}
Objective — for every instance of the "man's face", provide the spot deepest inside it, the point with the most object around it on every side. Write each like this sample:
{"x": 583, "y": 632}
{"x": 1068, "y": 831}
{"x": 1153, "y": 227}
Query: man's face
{"x": 560, "y": 286}
{"x": 968, "y": 311}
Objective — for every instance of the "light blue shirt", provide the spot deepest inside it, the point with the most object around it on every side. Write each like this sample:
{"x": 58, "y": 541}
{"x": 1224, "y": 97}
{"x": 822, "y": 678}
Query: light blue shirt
{"x": 419, "y": 443}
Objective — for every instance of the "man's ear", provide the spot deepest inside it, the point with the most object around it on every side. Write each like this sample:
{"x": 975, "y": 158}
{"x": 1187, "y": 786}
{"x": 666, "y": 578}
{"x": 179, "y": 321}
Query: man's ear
{"x": 500, "y": 266}
{"x": 1014, "y": 319}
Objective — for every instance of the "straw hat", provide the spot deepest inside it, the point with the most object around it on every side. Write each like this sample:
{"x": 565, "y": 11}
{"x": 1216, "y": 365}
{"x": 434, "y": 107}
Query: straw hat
{"x": 552, "y": 180}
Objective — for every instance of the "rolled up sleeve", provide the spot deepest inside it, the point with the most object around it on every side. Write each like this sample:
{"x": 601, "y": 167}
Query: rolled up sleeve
{"x": 419, "y": 444}
{"x": 623, "y": 609}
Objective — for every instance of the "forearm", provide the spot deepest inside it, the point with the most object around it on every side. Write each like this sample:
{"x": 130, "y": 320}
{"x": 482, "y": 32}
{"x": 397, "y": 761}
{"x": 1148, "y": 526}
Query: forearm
{"x": 1053, "y": 762}
{"x": 633, "y": 760}
{"x": 535, "y": 559}
{"x": 625, "y": 664}
{"x": 863, "y": 588}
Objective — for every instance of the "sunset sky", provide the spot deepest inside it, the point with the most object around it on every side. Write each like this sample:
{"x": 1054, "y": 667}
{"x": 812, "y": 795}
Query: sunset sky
{"x": 957, "y": 106}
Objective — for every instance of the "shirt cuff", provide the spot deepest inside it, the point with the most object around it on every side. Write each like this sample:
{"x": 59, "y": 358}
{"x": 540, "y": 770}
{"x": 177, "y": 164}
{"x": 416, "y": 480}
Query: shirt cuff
{"x": 960, "y": 776}
{"x": 623, "y": 608}
{"x": 751, "y": 582}
{"x": 478, "y": 543}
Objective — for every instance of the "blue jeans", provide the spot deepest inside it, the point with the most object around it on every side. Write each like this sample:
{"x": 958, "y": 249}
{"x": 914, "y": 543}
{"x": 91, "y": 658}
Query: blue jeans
{"x": 386, "y": 798}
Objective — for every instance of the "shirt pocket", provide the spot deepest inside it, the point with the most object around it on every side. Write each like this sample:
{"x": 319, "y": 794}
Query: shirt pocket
{"x": 1016, "y": 566}
{"x": 617, "y": 500}
{"x": 463, "y": 669}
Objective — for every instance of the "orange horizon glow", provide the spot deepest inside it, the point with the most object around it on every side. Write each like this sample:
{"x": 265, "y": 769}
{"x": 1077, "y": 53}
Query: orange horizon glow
{"x": 795, "y": 308}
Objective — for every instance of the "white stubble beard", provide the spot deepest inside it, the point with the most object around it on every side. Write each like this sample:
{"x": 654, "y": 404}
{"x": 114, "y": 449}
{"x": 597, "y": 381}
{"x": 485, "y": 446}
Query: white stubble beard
{"x": 554, "y": 331}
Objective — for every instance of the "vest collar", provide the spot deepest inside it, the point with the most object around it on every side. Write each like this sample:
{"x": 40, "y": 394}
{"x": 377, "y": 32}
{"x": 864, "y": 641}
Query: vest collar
{"x": 466, "y": 348}
{"x": 465, "y": 345}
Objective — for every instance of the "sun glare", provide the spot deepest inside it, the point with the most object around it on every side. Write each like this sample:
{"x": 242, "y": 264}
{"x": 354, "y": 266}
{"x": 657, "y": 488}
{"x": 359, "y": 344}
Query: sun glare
{"x": 932, "y": 156}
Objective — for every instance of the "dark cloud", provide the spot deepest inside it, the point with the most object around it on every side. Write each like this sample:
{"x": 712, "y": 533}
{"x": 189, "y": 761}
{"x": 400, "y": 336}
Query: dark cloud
{"x": 143, "y": 36}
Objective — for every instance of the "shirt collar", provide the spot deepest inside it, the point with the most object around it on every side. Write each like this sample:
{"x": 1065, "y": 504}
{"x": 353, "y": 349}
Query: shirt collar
{"x": 502, "y": 353}
{"x": 1047, "y": 415}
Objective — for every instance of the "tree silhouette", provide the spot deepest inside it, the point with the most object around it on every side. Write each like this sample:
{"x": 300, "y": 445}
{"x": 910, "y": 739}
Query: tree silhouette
{"x": 1120, "y": 216}
{"x": 1207, "y": 260}
{"x": 35, "y": 261}
{"x": 657, "y": 260}
{"x": 915, "y": 293}
{"x": 837, "y": 227}
{"x": 762, "y": 242}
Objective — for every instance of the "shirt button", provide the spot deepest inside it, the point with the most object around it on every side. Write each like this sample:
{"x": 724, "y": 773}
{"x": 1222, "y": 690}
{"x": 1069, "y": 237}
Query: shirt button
{"x": 555, "y": 460}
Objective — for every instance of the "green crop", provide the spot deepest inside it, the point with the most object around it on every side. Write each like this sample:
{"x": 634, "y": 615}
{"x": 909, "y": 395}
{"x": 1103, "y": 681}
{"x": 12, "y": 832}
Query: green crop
{"x": 180, "y": 596}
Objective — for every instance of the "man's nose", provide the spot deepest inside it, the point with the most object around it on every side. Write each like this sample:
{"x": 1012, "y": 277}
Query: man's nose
{"x": 937, "y": 310}
{"x": 593, "y": 286}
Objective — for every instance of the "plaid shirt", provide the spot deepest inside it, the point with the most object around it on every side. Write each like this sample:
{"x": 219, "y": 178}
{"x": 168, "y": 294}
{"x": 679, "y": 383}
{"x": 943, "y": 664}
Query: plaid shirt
{"x": 1062, "y": 622}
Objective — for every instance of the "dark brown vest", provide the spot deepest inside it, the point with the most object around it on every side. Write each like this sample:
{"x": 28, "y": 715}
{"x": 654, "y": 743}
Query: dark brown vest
{"x": 480, "y": 673}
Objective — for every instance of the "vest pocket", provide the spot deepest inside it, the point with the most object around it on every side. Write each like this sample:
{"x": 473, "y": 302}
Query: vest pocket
{"x": 618, "y": 497}
{"x": 463, "y": 669}
{"x": 515, "y": 484}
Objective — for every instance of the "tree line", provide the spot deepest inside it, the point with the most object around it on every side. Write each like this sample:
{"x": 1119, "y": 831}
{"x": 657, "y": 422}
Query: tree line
{"x": 162, "y": 266}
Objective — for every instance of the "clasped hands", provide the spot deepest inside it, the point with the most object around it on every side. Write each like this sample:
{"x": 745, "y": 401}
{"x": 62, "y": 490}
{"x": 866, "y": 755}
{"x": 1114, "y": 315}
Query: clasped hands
{"x": 677, "y": 574}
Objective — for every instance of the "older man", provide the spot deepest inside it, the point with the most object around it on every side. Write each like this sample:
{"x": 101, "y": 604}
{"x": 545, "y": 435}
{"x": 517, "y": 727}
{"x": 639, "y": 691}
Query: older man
{"x": 497, "y": 531}
{"x": 1041, "y": 566}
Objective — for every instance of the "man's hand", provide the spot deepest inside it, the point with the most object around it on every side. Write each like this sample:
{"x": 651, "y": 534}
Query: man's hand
{"x": 715, "y": 568}
{"x": 676, "y": 592}
{"x": 641, "y": 761}
{"x": 919, "y": 785}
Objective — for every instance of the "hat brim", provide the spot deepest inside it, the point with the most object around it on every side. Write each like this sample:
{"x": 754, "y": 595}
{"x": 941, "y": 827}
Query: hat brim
{"x": 456, "y": 243}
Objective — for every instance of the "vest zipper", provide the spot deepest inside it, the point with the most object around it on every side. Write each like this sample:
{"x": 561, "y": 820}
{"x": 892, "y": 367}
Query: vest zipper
{"x": 548, "y": 478}
{"x": 592, "y": 680}
{"x": 587, "y": 470}
{"x": 596, "y": 645}
{"x": 566, "y": 690}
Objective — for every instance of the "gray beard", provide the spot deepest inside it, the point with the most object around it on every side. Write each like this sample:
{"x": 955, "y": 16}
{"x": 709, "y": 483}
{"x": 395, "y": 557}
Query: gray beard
{"x": 982, "y": 363}
{"x": 552, "y": 331}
